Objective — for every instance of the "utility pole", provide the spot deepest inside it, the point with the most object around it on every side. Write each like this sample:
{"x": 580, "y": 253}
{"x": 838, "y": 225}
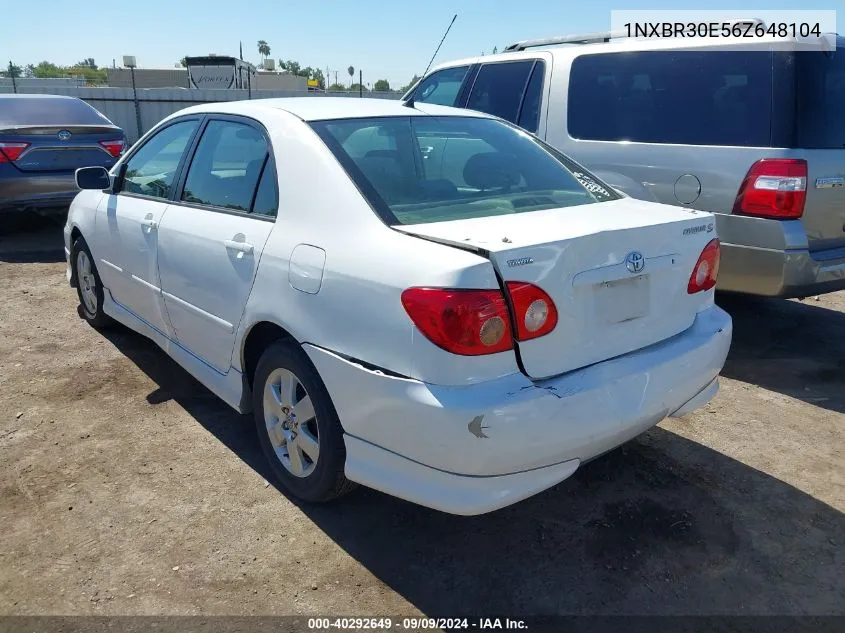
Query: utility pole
{"x": 360, "y": 84}
{"x": 12, "y": 75}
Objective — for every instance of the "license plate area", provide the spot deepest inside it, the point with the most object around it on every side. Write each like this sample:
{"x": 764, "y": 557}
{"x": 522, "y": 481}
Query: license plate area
{"x": 622, "y": 300}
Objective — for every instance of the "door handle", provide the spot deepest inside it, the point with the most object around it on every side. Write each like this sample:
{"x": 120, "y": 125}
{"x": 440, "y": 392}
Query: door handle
{"x": 426, "y": 150}
{"x": 243, "y": 247}
{"x": 149, "y": 223}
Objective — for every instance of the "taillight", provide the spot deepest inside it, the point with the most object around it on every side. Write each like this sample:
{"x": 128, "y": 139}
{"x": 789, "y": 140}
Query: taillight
{"x": 10, "y": 152}
{"x": 706, "y": 269}
{"x": 774, "y": 188}
{"x": 465, "y": 322}
{"x": 113, "y": 147}
{"x": 535, "y": 313}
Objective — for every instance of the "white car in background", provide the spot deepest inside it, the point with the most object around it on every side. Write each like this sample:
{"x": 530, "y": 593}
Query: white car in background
{"x": 424, "y": 300}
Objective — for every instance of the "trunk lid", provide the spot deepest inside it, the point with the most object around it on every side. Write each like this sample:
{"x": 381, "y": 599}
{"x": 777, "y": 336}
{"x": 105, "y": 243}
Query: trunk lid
{"x": 616, "y": 271}
{"x": 62, "y": 148}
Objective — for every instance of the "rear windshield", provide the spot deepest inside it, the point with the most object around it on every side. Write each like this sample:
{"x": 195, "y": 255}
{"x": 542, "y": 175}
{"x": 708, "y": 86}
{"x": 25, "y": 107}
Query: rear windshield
{"x": 46, "y": 111}
{"x": 820, "y": 99}
{"x": 415, "y": 170}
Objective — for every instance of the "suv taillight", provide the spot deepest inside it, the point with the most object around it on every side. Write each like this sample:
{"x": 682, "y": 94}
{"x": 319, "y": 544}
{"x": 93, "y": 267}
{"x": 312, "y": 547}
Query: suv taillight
{"x": 706, "y": 269}
{"x": 113, "y": 147}
{"x": 535, "y": 313}
{"x": 10, "y": 152}
{"x": 773, "y": 188}
{"x": 465, "y": 322}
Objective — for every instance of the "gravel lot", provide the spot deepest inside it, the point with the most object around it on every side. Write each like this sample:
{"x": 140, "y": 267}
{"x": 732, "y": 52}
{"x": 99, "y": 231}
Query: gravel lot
{"x": 127, "y": 488}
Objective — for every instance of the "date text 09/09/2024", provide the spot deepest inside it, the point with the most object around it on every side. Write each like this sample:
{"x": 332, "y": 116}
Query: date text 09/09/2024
{"x": 721, "y": 29}
{"x": 415, "y": 624}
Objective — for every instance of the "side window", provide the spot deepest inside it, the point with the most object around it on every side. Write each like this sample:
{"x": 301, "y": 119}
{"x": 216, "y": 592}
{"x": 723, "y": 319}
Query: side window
{"x": 150, "y": 171}
{"x": 499, "y": 88}
{"x": 529, "y": 114}
{"x": 676, "y": 97}
{"x": 267, "y": 196}
{"x": 442, "y": 87}
{"x": 225, "y": 169}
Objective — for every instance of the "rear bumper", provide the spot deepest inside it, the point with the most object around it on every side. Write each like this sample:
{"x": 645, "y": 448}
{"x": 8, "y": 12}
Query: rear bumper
{"x": 779, "y": 273}
{"x": 473, "y": 449}
{"x": 37, "y": 191}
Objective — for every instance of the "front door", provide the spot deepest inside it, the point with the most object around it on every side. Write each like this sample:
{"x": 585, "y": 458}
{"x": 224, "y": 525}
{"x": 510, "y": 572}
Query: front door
{"x": 128, "y": 222}
{"x": 211, "y": 240}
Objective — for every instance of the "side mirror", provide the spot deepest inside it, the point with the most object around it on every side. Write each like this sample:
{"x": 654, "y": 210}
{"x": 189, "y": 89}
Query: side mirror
{"x": 94, "y": 178}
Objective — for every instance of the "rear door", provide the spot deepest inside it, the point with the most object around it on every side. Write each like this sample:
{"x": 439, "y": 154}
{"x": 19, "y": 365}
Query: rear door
{"x": 511, "y": 90}
{"x": 211, "y": 239}
{"x": 819, "y": 82}
{"x": 126, "y": 244}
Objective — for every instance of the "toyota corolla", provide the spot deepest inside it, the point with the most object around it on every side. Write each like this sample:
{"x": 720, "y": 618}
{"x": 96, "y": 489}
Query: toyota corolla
{"x": 427, "y": 301}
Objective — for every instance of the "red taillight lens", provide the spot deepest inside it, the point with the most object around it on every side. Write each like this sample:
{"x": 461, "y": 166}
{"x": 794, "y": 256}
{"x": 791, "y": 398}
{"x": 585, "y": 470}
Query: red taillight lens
{"x": 10, "y": 152}
{"x": 465, "y": 322}
{"x": 535, "y": 313}
{"x": 706, "y": 269}
{"x": 113, "y": 147}
{"x": 773, "y": 188}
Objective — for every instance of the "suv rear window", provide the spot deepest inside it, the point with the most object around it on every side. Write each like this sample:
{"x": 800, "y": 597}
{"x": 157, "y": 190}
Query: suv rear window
{"x": 675, "y": 97}
{"x": 48, "y": 111}
{"x": 415, "y": 170}
{"x": 820, "y": 99}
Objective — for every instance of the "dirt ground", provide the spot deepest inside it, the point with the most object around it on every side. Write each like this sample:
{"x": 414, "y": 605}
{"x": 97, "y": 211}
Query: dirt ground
{"x": 127, "y": 488}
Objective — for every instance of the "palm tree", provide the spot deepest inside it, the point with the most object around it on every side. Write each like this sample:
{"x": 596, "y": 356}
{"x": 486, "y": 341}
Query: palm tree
{"x": 351, "y": 71}
{"x": 263, "y": 49}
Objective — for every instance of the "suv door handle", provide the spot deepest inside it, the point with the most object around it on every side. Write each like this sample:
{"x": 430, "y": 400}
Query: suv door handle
{"x": 243, "y": 247}
{"x": 149, "y": 223}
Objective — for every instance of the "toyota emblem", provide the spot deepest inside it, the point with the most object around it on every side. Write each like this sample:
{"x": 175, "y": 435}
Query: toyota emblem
{"x": 635, "y": 262}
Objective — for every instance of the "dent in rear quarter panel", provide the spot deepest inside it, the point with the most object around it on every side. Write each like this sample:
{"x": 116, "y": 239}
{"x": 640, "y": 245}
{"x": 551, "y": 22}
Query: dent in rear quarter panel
{"x": 357, "y": 311}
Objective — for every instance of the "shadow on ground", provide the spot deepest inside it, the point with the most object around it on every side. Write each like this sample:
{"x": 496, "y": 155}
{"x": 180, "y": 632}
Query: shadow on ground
{"x": 661, "y": 526}
{"x": 32, "y": 239}
{"x": 796, "y": 348}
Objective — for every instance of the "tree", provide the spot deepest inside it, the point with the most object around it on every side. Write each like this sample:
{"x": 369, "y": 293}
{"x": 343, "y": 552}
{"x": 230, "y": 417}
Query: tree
{"x": 321, "y": 80}
{"x": 495, "y": 50}
{"x": 337, "y": 88}
{"x": 88, "y": 62}
{"x": 263, "y": 49}
{"x": 291, "y": 66}
{"x": 351, "y": 71}
{"x": 183, "y": 62}
{"x": 410, "y": 85}
{"x": 382, "y": 85}
{"x": 356, "y": 87}
{"x": 14, "y": 71}
{"x": 46, "y": 70}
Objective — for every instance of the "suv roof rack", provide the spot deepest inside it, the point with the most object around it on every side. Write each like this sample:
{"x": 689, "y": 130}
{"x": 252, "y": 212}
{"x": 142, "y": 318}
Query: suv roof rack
{"x": 594, "y": 38}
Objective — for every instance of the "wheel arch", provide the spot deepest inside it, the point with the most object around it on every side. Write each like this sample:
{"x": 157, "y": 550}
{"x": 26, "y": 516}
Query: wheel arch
{"x": 260, "y": 334}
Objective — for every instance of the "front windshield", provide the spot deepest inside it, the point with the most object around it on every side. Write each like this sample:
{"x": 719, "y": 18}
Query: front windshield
{"x": 421, "y": 169}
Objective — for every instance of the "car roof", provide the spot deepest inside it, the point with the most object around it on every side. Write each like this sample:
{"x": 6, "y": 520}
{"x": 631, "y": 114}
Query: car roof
{"x": 36, "y": 96}
{"x": 322, "y": 108}
{"x": 617, "y": 44}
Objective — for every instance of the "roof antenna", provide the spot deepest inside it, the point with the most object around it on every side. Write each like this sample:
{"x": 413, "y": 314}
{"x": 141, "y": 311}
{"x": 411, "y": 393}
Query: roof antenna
{"x": 410, "y": 102}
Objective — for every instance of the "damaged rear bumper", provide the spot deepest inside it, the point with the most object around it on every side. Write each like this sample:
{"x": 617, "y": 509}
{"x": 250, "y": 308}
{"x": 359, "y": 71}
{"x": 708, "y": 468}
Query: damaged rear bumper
{"x": 473, "y": 449}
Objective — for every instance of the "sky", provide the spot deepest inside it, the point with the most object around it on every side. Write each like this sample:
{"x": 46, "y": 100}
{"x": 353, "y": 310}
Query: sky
{"x": 390, "y": 40}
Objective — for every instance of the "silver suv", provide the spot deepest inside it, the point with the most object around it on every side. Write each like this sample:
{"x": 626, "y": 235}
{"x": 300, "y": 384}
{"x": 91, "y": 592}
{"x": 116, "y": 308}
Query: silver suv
{"x": 752, "y": 134}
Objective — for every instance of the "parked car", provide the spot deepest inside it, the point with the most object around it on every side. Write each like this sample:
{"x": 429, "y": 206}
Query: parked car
{"x": 43, "y": 140}
{"x": 424, "y": 300}
{"x": 755, "y": 136}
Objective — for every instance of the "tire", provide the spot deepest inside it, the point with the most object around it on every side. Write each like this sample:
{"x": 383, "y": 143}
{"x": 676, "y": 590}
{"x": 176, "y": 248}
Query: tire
{"x": 284, "y": 378}
{"x": 89, "y": 288}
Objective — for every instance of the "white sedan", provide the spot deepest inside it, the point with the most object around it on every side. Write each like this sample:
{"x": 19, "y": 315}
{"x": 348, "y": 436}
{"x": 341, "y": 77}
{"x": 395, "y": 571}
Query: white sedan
{"x": 426, "y": 301}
